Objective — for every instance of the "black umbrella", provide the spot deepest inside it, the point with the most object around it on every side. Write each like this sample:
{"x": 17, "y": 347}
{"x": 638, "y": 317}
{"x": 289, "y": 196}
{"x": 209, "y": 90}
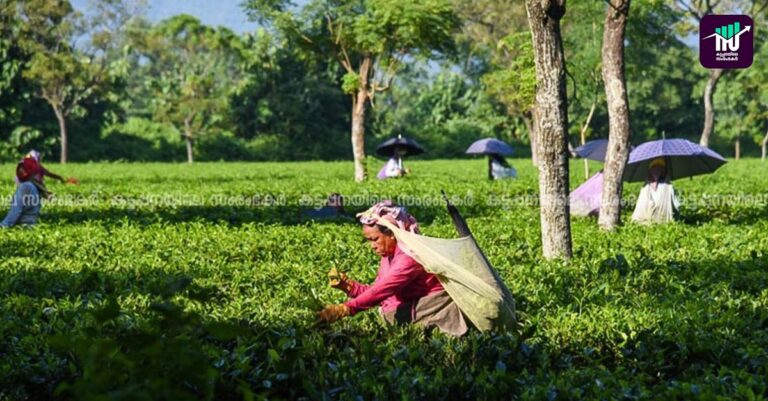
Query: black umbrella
{"x": 399, "y": 147}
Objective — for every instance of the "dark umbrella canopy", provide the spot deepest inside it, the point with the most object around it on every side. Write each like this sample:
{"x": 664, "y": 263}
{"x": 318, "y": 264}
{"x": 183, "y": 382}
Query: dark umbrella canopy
{"x": 489, "y": 146}
{"x": 402, "y": 146}
{"x": 683, "y": 159}
{"x": 594, "y": 150}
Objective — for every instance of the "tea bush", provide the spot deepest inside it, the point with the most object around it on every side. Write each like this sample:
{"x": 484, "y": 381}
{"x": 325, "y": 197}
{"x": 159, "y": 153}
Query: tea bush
{"x": 171, "y": 281}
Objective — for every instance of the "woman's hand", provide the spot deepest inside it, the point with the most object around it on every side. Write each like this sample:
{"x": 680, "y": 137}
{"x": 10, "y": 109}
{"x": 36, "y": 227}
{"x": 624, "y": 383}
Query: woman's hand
{"x": 332, "y": 313}
{"x": 339, "y": 280}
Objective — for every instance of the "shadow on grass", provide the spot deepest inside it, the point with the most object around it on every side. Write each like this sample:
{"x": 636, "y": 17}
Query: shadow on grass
{"x": 170, "y": 352}
{"x": 58, "y": 325}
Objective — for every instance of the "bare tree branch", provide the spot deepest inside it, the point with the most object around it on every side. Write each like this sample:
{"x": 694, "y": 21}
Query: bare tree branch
{"x": 389, "y": 75}
{"x": 345, "y": 61}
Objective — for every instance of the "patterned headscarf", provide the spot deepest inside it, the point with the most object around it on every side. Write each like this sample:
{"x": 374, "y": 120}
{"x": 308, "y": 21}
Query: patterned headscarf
{"x": 388, "y": 211}
{"x": 33, "y": 154}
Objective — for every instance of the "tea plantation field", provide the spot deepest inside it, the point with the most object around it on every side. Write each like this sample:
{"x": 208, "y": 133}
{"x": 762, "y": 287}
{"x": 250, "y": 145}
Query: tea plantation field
{"x": 177, "y": 282}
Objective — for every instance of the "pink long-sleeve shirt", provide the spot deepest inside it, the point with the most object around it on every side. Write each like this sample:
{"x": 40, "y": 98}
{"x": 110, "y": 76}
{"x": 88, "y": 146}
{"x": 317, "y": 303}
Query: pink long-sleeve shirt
{"x": 400, "y": 279}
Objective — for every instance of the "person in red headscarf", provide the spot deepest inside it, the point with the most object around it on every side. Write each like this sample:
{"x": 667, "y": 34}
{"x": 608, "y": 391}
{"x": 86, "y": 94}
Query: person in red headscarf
{"x": 404, "y": 291}
{"x": 43, "y": 172}
{"x": 26, "y": 202}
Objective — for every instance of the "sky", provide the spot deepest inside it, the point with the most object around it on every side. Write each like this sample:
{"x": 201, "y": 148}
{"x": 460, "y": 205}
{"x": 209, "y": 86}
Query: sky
{"x": 226, "y": 13}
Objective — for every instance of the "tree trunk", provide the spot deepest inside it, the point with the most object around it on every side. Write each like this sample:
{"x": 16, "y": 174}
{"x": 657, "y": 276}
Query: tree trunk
{"x": 763, "y": 146}
{"x": 737, "y": 149}
{"x": 62, "y": 134}
{"x": 709, "y": 107}
{"x": 358, "y": 134}
{"x": 551, "y": 124}
{"x": 583, "y": 135}
{"x": 190, "y": 157}
{"x": 528, "y": 120}
{"x": 618, "y": 113}
{"x": 359, "y": 101}
{"x": 188, "y": 138}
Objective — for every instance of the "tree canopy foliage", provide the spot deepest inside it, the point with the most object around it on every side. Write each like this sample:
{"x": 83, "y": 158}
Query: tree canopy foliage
{"x": 108, "y": 84}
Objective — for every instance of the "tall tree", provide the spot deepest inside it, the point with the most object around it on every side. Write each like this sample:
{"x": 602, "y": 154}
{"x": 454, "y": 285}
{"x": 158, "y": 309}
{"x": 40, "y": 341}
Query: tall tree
{"x": 743, "y": 104}
{"x": 616, "y": 14}
{"x": 12, "y": 88}
{"x": 190, "y": 70}
{"x": 551, "y": 119}
{"x": 292, "y": 100}
{"x": 497, "y": 47}
{"x": 581, "y": 43}
{"x": 696, "y": 10}
{"x": 446, "y": 112}
{"x": 65, "y": 73}
{"x": 513, "y": 82}
{"x": 752, "y": 100}
{"x": 661, "y": 82}
{"x": 370, "y": 38}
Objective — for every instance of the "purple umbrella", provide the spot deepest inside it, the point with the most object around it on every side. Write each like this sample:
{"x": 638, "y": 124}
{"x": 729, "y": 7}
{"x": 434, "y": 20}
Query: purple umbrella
{"x": 489, "y": 146}
{"x": 585, "y": 200}
{"x": 683, "y": 158}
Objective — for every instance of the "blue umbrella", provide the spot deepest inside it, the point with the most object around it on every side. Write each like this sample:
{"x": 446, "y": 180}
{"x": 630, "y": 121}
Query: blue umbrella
{"x": 489, "y": 146}
{"x": 593, "y": 150}
{"x": 683, "y": 159}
